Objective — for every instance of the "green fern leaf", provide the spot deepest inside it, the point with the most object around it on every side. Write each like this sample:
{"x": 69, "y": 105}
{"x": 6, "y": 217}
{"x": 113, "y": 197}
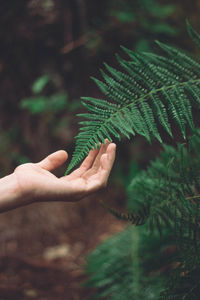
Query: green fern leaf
{"x": 150, "y": 89}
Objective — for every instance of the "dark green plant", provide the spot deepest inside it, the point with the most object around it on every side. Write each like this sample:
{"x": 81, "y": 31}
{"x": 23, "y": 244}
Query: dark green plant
{"x": 165, "y": 198}
{"x": 138, "y": 22}
{"x": 149, "y": 15}
{"x": 129, "y": 265}
{"x": 150, "y": 89}
{"x": 149, "y": 20}
{"x": 40, "y": 103}
{"x": 150, "y": 93}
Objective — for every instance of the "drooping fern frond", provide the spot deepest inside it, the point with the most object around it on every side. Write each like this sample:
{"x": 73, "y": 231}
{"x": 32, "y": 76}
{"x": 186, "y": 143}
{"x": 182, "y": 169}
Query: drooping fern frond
{"x": 137, "y": 220}
{"x": 148, "y": 91}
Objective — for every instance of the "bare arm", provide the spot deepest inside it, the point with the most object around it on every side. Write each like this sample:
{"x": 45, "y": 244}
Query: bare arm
{"x": 34, "y": 182}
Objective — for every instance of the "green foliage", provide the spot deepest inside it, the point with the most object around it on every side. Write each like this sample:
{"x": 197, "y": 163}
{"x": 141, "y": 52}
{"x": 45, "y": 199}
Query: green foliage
{"x": 43, "y": 104}
{"x": 128, "y": 11}
{"x": 139, "y": 21}
{"x": 169, "y": 187}
{"x": 168, "y": 190}
{"x": 40, "y": 84}
{"x": 149, "y": 91}
{"x": 149, "y": 16}
{"x": 130, "y": 265}
{"x": 165, "y": 197}
{"x": 185, "y": 280}
{"x": 39, "y": 103}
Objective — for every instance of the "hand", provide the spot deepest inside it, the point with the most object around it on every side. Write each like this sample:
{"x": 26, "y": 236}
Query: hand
{"x": 36, "y": 182}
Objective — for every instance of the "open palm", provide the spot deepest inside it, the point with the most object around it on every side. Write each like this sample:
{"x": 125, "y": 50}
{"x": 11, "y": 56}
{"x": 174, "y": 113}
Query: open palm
{"x": 36, "y": 182}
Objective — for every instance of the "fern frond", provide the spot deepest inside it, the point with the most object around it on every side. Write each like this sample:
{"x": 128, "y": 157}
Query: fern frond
{"x": 136, "y": 220}
{"x": 167, "y": 192}
{"x": 149, "y": 90}
{"x": 170, "y": 187}
{"x": 132, "y": 264}
{"x": 123, "y": 267}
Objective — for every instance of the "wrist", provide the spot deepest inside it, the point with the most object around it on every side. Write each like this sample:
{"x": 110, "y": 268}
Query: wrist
{"x": 11, "y": 195}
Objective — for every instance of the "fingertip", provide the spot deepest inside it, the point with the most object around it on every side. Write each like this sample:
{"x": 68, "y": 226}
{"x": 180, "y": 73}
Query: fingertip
{"x": 53, "y": 160}
{"x": 63, "y": 154}
{"x": 107, "y": 141}
{"x": 58, "y": 158}
{"x": 111, "y": 152}
{"x": 112, "y": 147}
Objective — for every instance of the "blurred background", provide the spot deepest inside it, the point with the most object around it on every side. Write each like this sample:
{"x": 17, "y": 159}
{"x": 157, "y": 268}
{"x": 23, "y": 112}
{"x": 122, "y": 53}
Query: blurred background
{"x": 48, "y": 51}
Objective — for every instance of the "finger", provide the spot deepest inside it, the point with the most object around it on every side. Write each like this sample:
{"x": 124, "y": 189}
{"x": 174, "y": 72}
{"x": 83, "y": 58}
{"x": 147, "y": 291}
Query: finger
{"x": 89, "y": 160}
{"x": 108, "y": 158}
{"x": 96, "y": 164}
{"x": 54, "y": 160}
{"x": 102, "y": 150}
{"x": 107, "y": 161}
{"x": 86, "y": 164}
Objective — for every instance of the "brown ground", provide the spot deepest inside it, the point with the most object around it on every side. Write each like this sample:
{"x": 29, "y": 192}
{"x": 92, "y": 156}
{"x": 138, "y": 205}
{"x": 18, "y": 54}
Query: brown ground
{"x": 43, "y": 247}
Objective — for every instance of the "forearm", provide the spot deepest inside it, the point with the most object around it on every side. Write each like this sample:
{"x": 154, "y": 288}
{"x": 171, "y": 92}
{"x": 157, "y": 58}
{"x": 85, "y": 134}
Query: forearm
{"x": 10, "y": 193}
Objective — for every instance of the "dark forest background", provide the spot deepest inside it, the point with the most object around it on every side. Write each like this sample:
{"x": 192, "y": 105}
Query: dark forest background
{"x": 48, "y": 51}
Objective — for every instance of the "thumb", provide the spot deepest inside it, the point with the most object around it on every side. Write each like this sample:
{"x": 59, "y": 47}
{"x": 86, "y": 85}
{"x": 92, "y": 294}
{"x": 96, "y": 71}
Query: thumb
{"x": 53, "y": 160}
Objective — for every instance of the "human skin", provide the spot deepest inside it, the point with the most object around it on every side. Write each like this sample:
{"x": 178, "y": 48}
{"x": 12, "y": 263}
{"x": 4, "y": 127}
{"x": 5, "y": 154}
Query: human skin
{"x": 34, "y": 182}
